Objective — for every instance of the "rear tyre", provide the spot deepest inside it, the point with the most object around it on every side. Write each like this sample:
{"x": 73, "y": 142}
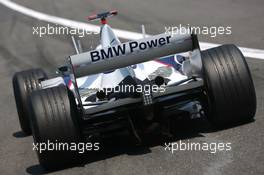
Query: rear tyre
{"x": 229, "y": 86}
{"x": 54, "y": 120}
{"x": 23, "y": 84}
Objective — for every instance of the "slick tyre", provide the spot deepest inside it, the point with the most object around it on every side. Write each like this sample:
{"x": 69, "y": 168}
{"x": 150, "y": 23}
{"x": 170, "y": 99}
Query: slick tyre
{"x": 54, "y": 120}
{"x": 229, "y": 86}
{"x": 23, "y": 84}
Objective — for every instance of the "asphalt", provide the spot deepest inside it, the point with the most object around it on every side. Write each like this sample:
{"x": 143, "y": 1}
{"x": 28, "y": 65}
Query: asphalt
{"x": 20, "y": 50}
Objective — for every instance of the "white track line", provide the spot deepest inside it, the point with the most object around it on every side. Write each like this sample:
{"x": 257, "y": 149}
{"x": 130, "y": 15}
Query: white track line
{"x": 66, "y": 22}
{"x": 248, "y": 52}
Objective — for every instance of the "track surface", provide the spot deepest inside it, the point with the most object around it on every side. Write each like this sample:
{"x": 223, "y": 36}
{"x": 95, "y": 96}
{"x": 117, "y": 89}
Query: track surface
{"x": 20, "y": 50}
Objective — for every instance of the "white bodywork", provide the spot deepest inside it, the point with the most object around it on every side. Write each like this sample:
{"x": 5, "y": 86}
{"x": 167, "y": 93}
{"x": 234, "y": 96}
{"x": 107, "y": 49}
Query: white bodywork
{"x": 142, "y": 71}
{"x": 97, "y": 78}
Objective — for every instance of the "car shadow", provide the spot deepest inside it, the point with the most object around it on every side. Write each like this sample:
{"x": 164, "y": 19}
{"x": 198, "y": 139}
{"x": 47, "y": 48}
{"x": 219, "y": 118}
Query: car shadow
{"x": 20, "y": 134}
{"x": 184, "y": 129}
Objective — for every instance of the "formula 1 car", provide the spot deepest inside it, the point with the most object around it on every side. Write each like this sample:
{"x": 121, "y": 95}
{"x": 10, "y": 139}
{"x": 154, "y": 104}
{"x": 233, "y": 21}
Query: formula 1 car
{"x": 136, "y": 87}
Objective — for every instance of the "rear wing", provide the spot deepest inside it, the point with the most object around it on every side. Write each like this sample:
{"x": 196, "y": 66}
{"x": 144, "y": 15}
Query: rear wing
{"x": 134, "y": 52}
